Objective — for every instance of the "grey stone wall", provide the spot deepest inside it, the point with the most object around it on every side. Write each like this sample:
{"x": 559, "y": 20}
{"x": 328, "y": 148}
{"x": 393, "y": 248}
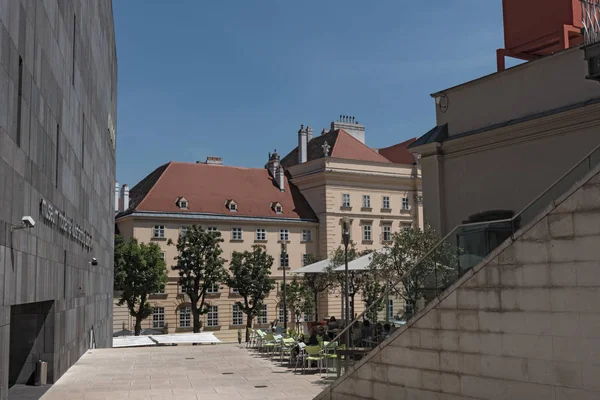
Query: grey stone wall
{"x": 58, "y": 91}
{"x": 524, "y": 324}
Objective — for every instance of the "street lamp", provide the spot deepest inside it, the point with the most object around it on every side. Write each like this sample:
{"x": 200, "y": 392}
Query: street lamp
{"x": 283, "y": 259}
{"x": 346, "y": 239}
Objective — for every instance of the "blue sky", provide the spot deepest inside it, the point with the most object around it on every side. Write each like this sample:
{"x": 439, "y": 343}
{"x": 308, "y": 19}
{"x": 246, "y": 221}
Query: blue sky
{"x": 235, "y": 79}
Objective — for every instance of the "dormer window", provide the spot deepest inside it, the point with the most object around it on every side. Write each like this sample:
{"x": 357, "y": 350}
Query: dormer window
{"x": 277, "y": 207}
{"x": 182, "y": 203}
{"x": 231, "y": 205}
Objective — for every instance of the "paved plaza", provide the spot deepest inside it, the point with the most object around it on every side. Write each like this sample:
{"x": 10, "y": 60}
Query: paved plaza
{"x": 206, "y": 372}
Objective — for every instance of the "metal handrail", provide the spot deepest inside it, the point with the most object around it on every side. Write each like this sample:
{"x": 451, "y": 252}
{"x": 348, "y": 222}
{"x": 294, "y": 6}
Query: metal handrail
{"x": 388, "y": 290}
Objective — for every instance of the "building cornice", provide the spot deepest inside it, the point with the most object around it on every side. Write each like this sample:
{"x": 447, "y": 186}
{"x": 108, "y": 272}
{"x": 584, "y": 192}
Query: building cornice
{"x": 213, "y": 217}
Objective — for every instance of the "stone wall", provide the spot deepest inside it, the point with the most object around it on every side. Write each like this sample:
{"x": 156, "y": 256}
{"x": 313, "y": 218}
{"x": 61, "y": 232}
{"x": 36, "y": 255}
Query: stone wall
{"x": 58, "y": 89}
{"x": 523, "y": 324}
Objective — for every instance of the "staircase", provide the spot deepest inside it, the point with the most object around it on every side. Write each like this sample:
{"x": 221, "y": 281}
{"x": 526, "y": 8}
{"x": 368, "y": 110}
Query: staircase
{"x": 519, "y": 321}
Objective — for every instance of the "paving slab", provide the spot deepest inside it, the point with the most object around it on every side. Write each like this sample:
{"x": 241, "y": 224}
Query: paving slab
{"x": 222, "y": 371}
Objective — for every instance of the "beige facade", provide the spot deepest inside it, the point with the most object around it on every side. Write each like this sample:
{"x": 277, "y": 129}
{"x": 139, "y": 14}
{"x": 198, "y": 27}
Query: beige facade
{"x": 538, "y": 119}
{"x": 168, "y": 305}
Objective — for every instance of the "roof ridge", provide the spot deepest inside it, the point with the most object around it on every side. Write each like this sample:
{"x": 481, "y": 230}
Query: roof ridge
{"x": 215, "y": 165}
{"x": 153, "y": 186}
{"x": 373, "y": 150}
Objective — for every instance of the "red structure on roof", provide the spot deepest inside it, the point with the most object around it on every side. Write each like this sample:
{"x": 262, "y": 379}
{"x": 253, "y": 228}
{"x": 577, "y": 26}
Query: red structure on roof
{"x": 537, "y": 28}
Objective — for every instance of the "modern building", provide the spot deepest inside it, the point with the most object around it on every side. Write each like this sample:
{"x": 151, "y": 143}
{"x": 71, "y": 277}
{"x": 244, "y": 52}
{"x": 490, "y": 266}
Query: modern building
{"x": 299, "y": 199}
{"x": 58, "y": 93}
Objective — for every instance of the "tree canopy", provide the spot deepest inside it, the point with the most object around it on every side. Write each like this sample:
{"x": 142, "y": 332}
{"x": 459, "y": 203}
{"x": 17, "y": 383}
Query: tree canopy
{"x": 250, "y": 274}
{"x": 139, "y": 271}
{"x": 200, "y": 268}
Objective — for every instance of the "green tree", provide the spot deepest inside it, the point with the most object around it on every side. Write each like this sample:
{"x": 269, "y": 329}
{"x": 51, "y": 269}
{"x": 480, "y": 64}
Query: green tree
{"x": 250, "y": 274}
{"x": 355, "y": 278}
{"x": 316, "y": 283}
{"x": 373, "y": 291}
{"x": 139, "y": 272}
{"x": 200, "y": 267}
{"x": 299, "y": 298}
{"x": 398, "y": 263}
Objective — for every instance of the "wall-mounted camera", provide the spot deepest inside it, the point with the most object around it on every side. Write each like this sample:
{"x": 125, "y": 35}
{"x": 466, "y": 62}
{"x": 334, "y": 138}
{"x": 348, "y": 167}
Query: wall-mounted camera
{"x": 94, "y": 261}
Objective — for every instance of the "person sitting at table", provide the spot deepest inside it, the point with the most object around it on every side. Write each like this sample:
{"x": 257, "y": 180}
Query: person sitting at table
{"x": 332, "y": 326}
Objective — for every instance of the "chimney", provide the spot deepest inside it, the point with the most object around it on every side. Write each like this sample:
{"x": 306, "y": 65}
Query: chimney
{"x": 116, "y": 196}
{"x": 124, "y": 200}
{"x": 214, "y": 161}
{"x": 273, "y": 163}
{"x": 350, "y": 125}
{"x": 309, "y": 135}
{"x": 302, "y": 142}
{"x": 280, "y": 178}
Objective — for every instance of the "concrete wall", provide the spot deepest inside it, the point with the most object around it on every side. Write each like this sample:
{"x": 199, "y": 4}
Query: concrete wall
{"x": 523, "y": 324}
{"x": 61, "y": 150}
{"x": 526, "y": 89}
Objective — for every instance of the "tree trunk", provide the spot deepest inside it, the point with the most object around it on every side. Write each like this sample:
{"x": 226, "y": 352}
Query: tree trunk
{"x": 196, "y": 316}
{"x": 248, "y": 326}
{"x": 316, "y": 307}
{"x": 138, "y": 326}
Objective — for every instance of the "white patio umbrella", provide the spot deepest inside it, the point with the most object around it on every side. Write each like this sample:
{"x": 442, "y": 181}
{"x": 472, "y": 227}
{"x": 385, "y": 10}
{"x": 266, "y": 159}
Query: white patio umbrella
{"x": 314, "y": 268}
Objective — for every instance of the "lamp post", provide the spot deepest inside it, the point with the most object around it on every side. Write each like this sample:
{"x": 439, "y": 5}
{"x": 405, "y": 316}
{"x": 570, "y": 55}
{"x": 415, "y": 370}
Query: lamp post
{"x": 346, "y": 239}
{"x": 283, "y": 259}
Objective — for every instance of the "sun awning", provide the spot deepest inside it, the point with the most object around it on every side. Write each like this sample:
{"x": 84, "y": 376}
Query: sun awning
{"x": 314, "y": 268}
{"x": 361, "y": 263}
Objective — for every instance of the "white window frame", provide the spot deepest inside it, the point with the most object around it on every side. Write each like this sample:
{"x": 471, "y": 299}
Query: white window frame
{"x": 262, "y": 317}
{"x": 390, "y": 309}
{"x": 279, "y": 209}
{"x": 284, "y": 262}
{"x": 234, "y": 291}
{"x": 366, "y": 201}
{"x": 163, "y": 254}
{"x": 212, "y": 317}
{"x": 307, "y": 235}
{"x": 183, "y": 204}
{"x": 386, "y": 230}
{"x": 309, "y": 317}
{"x": 261, "y": 234}
{"x": 232, "y": 206}
{"x": 236, "y": 234}
{"x": 214, "y": 289}
{"x": 304, "y": 257}
{"x": 186, "y": 313}
{"x": 183, "y": 231}
{"x": 237, "y": 316}
{"x": 158, "y": 316}
{"x": 284, "y": 235}
{"x": 280, "y": 314}
{"x": 212, "y": 229}
{"x": 367, "y": 232}
{"x": 405, "y": 204}
{"x": 158, "y": 232}
{"x": 385, "y": 202}
{"x": 346, "y": 200}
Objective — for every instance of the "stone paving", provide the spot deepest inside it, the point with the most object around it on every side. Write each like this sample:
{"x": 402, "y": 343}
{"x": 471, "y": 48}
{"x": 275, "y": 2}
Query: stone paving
{"x": 205, "y": 372}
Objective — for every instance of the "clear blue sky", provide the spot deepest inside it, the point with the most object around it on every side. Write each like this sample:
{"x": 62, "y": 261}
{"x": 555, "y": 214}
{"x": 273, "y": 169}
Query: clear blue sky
{"x": 235, "y": 79}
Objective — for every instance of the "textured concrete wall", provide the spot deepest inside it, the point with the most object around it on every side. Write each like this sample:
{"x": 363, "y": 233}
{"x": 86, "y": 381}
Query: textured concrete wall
{"x": 524, "y": 324}
{"x": 58, "y": 77}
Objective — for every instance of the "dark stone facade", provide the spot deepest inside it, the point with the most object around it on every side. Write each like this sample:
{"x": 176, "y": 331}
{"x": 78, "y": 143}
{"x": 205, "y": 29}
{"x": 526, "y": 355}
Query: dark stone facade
{"x": 58, "y": 95}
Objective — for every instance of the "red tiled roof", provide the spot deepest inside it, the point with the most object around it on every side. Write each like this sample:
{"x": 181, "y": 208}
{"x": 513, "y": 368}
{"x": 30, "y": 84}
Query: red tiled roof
{"x": 208, "y": 187}
{"x": 399, "y": 153}
{"x": 348, "y": 147}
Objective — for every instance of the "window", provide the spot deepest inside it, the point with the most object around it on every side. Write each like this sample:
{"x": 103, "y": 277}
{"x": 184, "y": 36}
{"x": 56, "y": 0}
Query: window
{"x": 306, "y": 235}
{"x": 305, "y": 259}
{"x": 278, "y": 209}
{"x": 390, "y": 309}
{"x": 232, "y": 206}
{"x": 212, "y": 318}
{"x": 387, "y": 233}
{"x": 158, "y": 317}
{"x": 213, "y": 289}
{"x": 345, "y": 200}
{"x": 281, "y": 314}
{"x": 183, "y": 231}
{"x": 212, "y": 229}
{"x": 164, "y": 256}
{"x": 237, "y": 316}
{"x": 284, "y": 260}
{"x": 386, "y": 202}
{"x": 185, "y": 317}
{"x": 159, "y": 231}
{"x": 261, "y": 234}
{"x": 180, "y": 289}
{"x": 284, "y": 235}
{"x": 234, "y": 291}
{"x": 262, "y": 315}
{"x": 366, "y": 201}
{"x": 183, "y": 204}
{"x": 236, "y": 234}
{"x": 405, "y": 228}
{"x": 405, "y": 205}
{"x": 367, "y": 232}
{"x": 309, "y": 317}
{"x": 160, "y": 291}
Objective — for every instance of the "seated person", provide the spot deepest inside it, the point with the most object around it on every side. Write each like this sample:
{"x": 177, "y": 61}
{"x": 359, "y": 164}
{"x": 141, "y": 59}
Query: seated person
{"x": 367, "y": 330}
{"x": 387, "y": 330}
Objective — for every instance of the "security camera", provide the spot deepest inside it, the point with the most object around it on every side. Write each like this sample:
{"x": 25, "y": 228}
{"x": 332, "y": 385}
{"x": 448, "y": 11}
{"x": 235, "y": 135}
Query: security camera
{"x": 94, "y": 261}
{"x": 28, "y": 222}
